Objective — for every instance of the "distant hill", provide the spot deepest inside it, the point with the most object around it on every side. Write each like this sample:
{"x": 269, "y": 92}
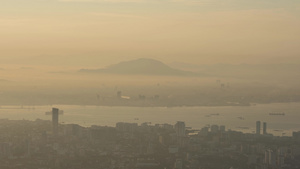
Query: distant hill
{"x": 142, "y": 66}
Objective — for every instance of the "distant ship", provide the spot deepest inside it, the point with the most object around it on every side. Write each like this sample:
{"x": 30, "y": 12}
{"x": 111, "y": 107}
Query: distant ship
{"x": 276, "y": 114}
{"x": 60, "y": 112}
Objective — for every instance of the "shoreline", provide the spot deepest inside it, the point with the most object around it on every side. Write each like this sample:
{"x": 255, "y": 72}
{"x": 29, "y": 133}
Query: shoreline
{"x": 31, "y": 106}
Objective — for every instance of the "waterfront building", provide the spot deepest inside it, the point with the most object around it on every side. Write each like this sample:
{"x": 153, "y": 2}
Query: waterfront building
{"x": 55, "y": 112}
{"x": 222, "y": 128}
{"x": 264, "y": 128}
{"x": 180, "y": 129}
{"x": 258, "y": 127}
{"x": 214, "y": 128}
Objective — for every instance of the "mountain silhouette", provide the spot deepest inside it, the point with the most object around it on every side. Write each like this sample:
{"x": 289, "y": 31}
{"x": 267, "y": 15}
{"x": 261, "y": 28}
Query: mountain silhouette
{"x": 142, "y": 66}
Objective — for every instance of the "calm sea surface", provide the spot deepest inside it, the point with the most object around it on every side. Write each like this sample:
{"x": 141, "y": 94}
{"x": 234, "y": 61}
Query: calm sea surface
{"x": 234, "y": 118}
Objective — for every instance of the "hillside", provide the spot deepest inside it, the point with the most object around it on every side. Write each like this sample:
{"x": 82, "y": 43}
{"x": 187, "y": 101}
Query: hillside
{"x": 142, "y": 66}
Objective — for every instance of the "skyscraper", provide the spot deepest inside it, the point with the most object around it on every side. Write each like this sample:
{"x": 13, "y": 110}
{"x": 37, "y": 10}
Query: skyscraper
{"x": 264, "y": 128}
{"x": 258, "y": 127}
{"x": 55, "y": 120}
{"x": 180, "y": 132}
{"x": 180, "y": 128}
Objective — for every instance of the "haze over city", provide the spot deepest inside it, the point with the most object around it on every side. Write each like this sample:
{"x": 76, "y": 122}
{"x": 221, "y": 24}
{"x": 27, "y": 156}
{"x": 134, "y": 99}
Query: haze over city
{"x": 149, "y": 84}
{"x": 98, "y": 33}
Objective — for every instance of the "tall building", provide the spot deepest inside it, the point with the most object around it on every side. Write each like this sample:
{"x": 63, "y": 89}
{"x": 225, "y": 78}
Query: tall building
{"x": 258, "y": 127}
{"x": 264, "y": 128}
{"x": 180, "y": 129}
{"x": 272, "y": 158}
{"x": 266, "y": 160}
{"x": 214, "y": 128}
{"x": 204, "y": 131}
{"x": 55, "y": 120}
{"x": 180, "y": 133}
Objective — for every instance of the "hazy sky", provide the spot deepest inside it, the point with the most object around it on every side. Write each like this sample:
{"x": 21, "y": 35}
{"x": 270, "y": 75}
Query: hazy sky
{"x": 101, "y": 32}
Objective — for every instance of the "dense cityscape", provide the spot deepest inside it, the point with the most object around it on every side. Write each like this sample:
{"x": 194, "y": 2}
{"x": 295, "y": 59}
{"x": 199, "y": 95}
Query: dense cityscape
{"x": 45, "y": 144}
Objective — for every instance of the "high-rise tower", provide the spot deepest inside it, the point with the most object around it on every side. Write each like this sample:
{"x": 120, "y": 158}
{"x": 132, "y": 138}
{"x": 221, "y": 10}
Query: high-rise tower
{"x": 264, "y": 128}
{"x": 180, "y": 132}
{"x": 180, "y": 129}
{"x": 258, "y": 127}
{"x": 55, "y": 120}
